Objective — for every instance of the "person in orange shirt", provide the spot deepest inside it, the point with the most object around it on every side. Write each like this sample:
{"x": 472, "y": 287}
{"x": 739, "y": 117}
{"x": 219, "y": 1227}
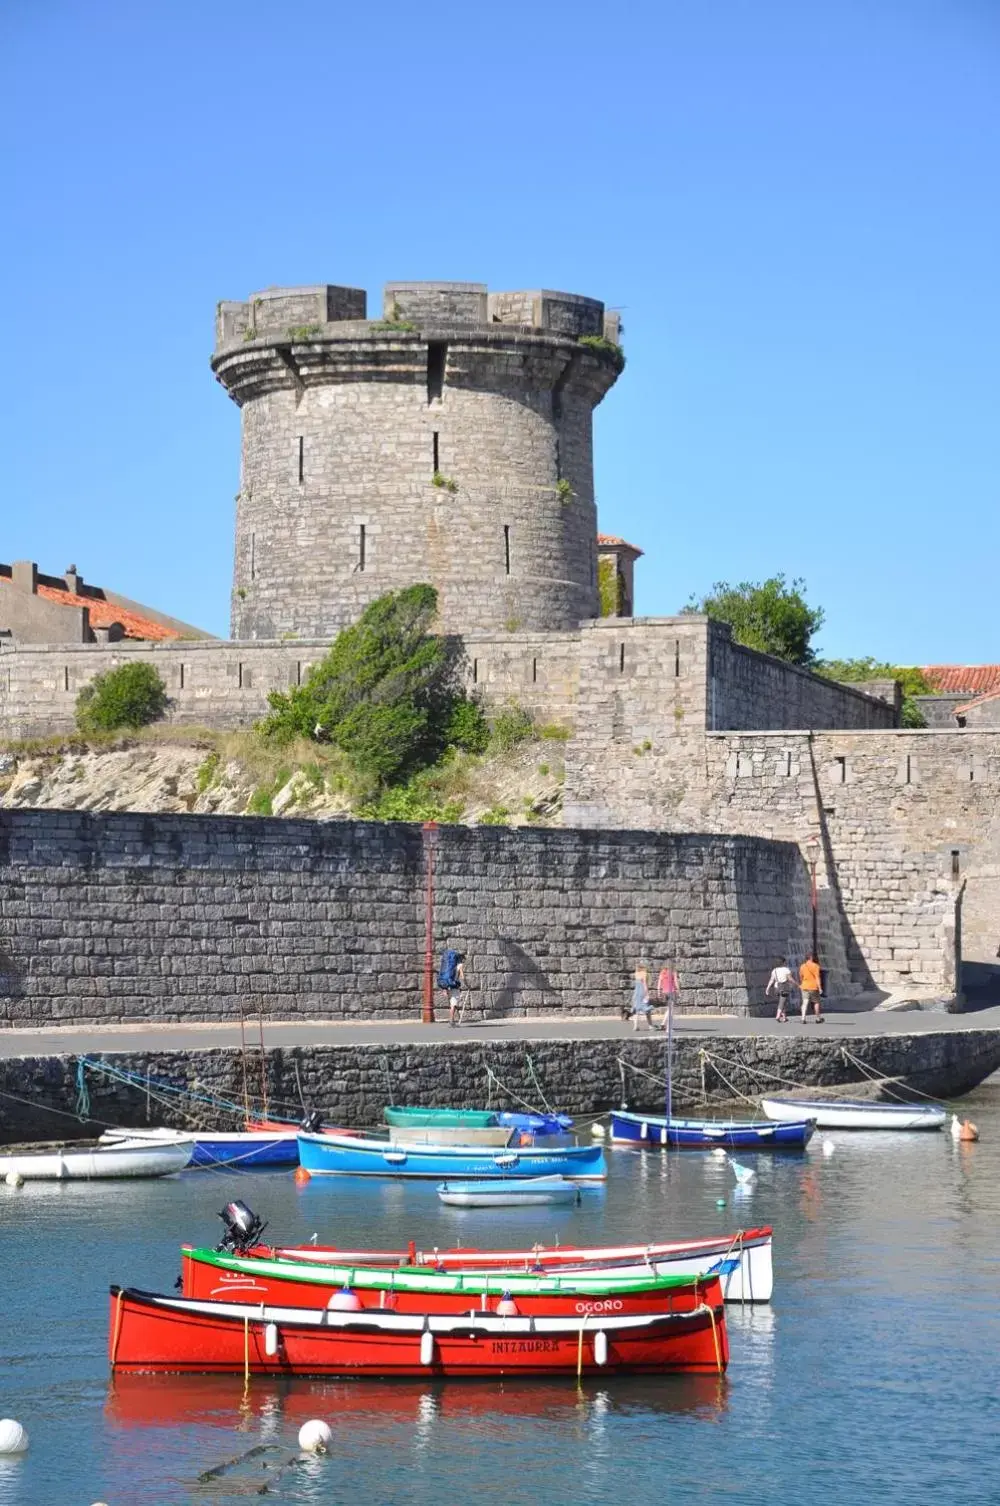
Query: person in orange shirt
{"x": 810, "y": 987}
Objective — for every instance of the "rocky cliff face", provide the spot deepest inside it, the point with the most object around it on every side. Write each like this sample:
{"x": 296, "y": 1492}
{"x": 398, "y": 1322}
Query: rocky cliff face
{"x": 228, "y": 777}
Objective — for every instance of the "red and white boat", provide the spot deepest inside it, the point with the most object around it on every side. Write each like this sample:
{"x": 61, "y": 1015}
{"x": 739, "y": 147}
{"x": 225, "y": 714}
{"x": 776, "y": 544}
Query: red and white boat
{"x": 750, "y": 1279}
{"x": 211, "y": 1276}
{"x": 158, "y": 1333}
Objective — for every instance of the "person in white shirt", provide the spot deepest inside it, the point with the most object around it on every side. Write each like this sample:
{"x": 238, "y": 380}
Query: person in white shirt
{"x": 781, "y": 984}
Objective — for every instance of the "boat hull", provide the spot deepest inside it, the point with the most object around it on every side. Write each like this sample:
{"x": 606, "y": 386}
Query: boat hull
{"x": 658, "y": 1133}
{"x": 275, "y": 1145}
{"x": 153, "y": 1333}
{"x": 510, "y": 1192}
{"x": 336, "y": 1154}
{"x": 857, "y": 1116}
{"x": 210, "y": 1277}
{"x": 123, "y": 1159}
{"x": 751, "y": 1280}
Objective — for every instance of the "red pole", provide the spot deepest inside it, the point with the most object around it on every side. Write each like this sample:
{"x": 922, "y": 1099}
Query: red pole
{"x": 430, "y": 842}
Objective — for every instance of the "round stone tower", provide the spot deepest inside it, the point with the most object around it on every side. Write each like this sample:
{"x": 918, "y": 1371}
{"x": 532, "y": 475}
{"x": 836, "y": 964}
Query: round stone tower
{"x": 448, "y": 442}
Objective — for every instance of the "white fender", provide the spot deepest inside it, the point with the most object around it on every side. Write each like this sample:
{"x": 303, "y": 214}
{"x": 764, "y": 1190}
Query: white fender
{"x": 427, "y": 1348}
{"x": 600, "y": 1347}
{"x": 271, "y": 1339}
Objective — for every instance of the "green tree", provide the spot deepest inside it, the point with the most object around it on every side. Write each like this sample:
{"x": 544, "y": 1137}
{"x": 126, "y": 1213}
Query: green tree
{"x": 387, "y": 693}
{"x": 772, "y": 616}
{"x": 913, "y": 681}
{"x": 130, "y": 696}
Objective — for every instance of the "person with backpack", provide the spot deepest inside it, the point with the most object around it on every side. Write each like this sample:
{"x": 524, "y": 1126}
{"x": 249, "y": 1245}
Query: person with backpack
{"x": 451, "y": 977}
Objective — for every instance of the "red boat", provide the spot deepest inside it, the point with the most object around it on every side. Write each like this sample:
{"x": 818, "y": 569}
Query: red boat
{"x": 208, "y": 1275}
{"x": 157, "y": 1333}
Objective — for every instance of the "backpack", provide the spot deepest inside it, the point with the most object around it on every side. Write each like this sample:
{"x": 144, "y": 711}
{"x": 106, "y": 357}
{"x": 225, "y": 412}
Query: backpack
{"x": 448, "y": 974}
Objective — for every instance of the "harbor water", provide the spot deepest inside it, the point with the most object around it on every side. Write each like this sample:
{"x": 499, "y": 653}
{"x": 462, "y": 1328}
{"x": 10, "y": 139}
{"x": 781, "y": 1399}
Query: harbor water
{"x": 873, "y": 1375}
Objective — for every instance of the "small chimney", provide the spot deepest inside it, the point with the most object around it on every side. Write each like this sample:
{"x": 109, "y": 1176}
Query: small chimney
{"x": 73, "y": 580}
{"x": 24, "y": 576}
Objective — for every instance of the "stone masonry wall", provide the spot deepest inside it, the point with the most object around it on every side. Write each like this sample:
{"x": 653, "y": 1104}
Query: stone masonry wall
{"x": 353, "y": 1084}
{"x": 904, "y": 826}
{"x": 225, "y": 685}
{"x": 116, "y": 917}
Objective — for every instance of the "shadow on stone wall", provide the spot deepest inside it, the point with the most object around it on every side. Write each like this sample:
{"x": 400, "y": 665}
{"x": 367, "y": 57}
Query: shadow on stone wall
{"x": 521, "y": 975}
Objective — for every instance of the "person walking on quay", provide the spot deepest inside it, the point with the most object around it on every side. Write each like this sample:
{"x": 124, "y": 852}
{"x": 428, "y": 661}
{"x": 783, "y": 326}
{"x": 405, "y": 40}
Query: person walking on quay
{"x": 780, "y": 984}
{"x": 451, "y": 977}
{"x": 811, "y": 987}
{"x": 641, "y": 1008}
{"x": 668, "y": 986}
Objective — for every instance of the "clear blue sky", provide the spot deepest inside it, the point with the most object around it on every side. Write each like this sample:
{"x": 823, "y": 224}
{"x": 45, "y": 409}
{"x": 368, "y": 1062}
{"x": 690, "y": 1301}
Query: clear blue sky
{"x": 796, "y": 203}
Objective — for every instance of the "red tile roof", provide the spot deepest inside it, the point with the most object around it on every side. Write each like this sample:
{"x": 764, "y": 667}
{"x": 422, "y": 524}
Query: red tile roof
{"x": 611, "y": 541}
{"x": 994, "y": 695}
{"x": 963, "y": 679}
{"x": 104, "y": 613}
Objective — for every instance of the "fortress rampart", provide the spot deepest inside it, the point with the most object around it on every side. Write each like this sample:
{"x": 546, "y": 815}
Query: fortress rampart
{"x": 126, "y": 917}
{"x": 448, "y": 442}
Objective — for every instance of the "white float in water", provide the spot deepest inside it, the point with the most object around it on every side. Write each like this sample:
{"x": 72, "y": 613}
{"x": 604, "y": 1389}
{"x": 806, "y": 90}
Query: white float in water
{"x": 315, "y": 1437}
{"x": 13, "y": 1438}
{"x": 828, "y": 1147}
{"x": 598, "y": 1131}
{"x": 14, "y": 1179}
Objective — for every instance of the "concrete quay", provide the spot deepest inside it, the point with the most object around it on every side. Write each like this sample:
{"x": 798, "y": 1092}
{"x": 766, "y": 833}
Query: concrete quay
{"x": 350, "y": 1071}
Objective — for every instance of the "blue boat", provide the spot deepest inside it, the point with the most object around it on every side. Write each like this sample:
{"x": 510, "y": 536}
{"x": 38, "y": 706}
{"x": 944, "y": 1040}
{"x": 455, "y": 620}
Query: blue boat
{"x": 246, "y": 1149}
{"x": 236, "y": 1149}
{"x": 657, "y": 1130}
{"x": 537, "y": 1124}
{"x": 335, "y": 1153}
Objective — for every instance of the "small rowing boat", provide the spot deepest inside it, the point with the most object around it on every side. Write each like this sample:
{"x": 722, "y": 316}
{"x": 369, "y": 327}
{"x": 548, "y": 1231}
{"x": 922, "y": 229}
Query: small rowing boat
{"x": 150, "y": 1332}
{"x": 82, "y": 1160}
{"x": 338, "y": 1153}
{"x": 659, "y": 1132}
{"x": 848, "y": 1114}
{"x": 509, "y": 1192}
{"x": 462, "y": 1119}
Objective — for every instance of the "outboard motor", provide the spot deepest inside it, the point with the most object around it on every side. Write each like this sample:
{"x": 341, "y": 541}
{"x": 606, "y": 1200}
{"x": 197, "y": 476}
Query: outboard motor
{"x": 243, "y": 1228}
{"x": 312, "y": 1123}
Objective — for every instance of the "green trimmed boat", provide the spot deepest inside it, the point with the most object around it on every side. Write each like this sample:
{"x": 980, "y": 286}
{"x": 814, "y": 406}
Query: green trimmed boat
{"x": 440, "y": 1118}
{"x": 210, "y": 1275}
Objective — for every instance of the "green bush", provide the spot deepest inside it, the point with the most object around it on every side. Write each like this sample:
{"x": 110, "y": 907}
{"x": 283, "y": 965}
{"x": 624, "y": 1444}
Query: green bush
{"x": 133, "y": 695}
{"x": 387, "y": 694}
{"x": 610, "y": 588}
{"x": 205, "y": 777}
{"x": 497, "y": 815}
{"x": 604, "y": 347}
{"x": 771, "y": 616}
{"x": 913, "y": 681}
{"x": 509, "y": 726}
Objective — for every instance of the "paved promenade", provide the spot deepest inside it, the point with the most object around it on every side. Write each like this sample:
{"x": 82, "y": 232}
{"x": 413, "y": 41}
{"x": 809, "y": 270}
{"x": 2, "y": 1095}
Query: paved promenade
{"x": 840, "y": 1023}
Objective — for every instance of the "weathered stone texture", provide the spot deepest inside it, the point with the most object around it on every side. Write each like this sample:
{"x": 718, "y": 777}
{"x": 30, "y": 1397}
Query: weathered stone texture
{"x": 353, "y": 1084}
{"x": 112, "y": 917}
{"x": 345, "y": 425}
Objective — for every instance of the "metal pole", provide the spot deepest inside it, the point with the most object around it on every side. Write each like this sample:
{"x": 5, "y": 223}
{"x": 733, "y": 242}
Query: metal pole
{"x": 815, "y": 913}
{"x": 430, "y": 832}
{"x": 670, "y": 1052}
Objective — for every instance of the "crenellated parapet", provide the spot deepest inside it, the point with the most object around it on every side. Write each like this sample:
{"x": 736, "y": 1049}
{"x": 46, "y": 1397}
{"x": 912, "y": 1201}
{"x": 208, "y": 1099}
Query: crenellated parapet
{"x": 449, "y": 441}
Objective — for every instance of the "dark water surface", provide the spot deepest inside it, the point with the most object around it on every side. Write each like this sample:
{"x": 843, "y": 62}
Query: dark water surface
{"x": 873, "y": 1377}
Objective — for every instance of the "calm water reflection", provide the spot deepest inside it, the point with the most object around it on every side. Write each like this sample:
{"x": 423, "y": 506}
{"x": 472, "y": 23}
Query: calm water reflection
{"x": 873, "y": 1377}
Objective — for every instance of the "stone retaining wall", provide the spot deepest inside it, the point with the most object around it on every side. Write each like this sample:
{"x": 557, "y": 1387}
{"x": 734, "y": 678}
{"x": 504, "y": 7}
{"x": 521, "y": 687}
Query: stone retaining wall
{"x": 117, "y": 917}
{"x": 352, "y": 1084}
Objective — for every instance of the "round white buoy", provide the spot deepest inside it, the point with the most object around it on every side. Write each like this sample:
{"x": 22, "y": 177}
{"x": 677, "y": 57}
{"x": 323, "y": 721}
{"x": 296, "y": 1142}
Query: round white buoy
{"x": 315, "y": 1437}
{"x": 14, "y": 1179}
{"x": 344, "y": 1301}
{"x": 828, "y": 1147}
{"x": 719, "y": 1153}
{"x": 598, "y": 1131}
{"x": 13, "y": 1438}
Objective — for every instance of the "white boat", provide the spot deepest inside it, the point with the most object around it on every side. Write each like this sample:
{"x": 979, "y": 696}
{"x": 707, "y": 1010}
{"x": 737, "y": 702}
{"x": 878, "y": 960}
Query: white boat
{"x": 513, "y": 1192}
{"x": 84, "y": 1160}
{"x": 847, "y": 1114}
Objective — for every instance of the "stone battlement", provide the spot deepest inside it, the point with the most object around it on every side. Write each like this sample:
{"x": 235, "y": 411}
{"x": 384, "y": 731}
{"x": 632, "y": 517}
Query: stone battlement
{"x": 299, "y": 313}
